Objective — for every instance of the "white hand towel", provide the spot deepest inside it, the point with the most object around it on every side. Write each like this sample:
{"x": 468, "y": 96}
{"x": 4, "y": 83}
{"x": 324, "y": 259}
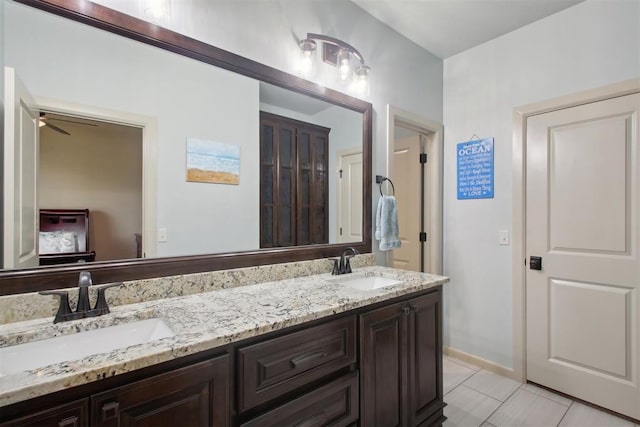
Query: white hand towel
{"x": 387, "y": 230}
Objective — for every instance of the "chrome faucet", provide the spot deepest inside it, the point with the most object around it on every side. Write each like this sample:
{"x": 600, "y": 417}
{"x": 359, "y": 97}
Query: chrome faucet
{"x": 342, "y": 265}
{"x": 83, "y": 308}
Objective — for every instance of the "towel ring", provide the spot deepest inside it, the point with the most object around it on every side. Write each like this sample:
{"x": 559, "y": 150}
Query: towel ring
{"x": 392, "y": 187}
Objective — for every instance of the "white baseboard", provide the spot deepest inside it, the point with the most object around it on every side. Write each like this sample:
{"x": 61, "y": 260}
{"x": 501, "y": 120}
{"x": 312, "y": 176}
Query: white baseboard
{"x": 483, "y": 363}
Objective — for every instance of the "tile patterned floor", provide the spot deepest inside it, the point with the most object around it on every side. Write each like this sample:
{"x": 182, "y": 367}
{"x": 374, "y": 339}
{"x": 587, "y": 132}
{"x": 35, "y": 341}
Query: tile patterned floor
{"x": 479, "y": 398}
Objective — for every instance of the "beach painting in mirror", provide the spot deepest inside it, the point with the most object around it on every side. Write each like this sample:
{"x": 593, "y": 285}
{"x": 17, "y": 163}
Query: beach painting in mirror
{"x": 214, "y": 162}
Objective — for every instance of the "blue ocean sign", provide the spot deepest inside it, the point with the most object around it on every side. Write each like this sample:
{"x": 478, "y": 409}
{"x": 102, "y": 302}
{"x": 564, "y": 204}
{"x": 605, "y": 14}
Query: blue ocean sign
{"x": 475, "y": 169}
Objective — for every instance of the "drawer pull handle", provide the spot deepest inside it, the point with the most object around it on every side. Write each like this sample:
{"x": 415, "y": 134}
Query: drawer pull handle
{"x": 69, "y": 422}
{"x": 313, "y": 420}
{"x": 110, "y": 410}
{"x": 305, "y": 358}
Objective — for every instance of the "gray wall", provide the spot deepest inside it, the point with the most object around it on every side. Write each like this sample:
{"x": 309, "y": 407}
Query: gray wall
{"x": 586, "y": 46}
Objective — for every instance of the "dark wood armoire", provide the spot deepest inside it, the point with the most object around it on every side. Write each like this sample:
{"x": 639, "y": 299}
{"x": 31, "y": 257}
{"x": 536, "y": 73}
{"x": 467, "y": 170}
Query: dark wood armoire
{"x": 294, "y": 160}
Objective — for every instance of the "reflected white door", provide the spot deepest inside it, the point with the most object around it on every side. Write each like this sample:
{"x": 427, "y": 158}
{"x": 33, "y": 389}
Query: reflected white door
{"x": 21, "y": 217}
{"x": 583, "y": 214}
{"x": 406, "y": 179}
{"x": 350, "y": 197}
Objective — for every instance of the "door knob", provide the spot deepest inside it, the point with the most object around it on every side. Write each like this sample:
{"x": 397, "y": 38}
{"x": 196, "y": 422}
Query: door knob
{"x": 535, "y": 263}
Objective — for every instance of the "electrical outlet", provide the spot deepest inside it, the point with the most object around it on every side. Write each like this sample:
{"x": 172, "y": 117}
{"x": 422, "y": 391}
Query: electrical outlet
{"x": 503, "y": 237}
{"x": 162, "y": 235}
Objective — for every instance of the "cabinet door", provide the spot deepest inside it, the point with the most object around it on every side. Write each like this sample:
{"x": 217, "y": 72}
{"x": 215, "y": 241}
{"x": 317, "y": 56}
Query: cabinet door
{"x": 383, "y": 366}
{"x": 268, "y": 182}
{"x": 74, "y": 414}
{"x": 312, "y": 197}
{"x": 425, "y": 359}
{"x": 197, "y": 395}
{"x": 278, "y": 179}
{"x": 286, "y": 187}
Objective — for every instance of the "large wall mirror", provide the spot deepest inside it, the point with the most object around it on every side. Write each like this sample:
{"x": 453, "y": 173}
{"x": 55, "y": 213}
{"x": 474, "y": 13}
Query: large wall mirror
{"x": 136, "y": 121}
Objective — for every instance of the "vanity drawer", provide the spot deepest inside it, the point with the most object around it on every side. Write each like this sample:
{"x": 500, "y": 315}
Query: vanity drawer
{"x": 74, "y": 414}
{"x": 334, "y": 404}
{"x": 271, "y": 368}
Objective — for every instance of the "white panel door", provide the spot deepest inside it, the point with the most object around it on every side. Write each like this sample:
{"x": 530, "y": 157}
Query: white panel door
{"x": 21, "y": 217}
{"x": 583, "y": 209}
{"x": 350, "y": 197}
{"x": 406, "y": 178}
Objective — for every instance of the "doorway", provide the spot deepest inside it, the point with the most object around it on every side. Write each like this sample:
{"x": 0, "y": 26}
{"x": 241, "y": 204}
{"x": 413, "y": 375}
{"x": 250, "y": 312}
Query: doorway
{"x": 94, "y": 165}
{"x": 147, "y": 241}
{"x": 409, "y": 187}
{"x": 576, "y": 241}
{"x": 415, "y": 168}
{"x": 350, "y": 169}
{"x": 21, "y": 153}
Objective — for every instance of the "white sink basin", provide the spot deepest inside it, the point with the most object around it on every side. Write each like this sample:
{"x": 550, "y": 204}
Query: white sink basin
{"x": 38, "y": 354}
{"x": 367, "y": 283}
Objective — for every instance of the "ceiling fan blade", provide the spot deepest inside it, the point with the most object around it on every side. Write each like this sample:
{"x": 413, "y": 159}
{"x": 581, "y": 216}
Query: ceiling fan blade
{"x": 56, "y": 128}
{"x": 71, "y": 121}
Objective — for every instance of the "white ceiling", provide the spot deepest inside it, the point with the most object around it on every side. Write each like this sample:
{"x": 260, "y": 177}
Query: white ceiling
{"x": 448, "y": 27}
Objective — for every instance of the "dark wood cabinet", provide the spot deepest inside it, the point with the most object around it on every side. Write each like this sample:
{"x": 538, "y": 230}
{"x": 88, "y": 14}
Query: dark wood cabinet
{"x": 196, "y": 395}
{"x": 73, "y": 414}
{"x": 383, "y": 365}
{"x": 335, "y": 404}
{"x": 401, "y": 363}
{"x": 293, "y": 182}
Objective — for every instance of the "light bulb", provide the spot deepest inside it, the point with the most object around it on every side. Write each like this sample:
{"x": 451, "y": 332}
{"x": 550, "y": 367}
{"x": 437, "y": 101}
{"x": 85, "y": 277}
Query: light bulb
{"x": 343, "y": 61}
{"x": 362, "y": 79}
{"x": 307, "y": 57}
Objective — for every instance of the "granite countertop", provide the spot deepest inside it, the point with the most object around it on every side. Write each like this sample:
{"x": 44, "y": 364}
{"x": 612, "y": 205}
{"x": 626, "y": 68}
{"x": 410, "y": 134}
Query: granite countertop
{"x": 200, "y": 322}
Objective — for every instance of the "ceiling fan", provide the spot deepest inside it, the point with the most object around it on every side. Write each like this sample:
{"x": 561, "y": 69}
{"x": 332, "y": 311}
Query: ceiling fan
{"x": 46, "y": 121}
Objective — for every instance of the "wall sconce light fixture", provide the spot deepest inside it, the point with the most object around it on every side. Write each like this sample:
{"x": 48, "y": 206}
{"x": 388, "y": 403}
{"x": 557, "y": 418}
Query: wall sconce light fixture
{"x": 338, "y": 54}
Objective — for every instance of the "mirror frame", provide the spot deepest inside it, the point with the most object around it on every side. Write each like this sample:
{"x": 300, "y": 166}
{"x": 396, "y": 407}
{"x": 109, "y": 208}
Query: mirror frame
{"x": 17, "y": 281}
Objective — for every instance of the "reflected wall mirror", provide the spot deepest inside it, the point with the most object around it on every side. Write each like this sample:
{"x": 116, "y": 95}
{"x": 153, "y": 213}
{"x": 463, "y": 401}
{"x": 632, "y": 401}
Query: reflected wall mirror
{"x": 218, "y": 97}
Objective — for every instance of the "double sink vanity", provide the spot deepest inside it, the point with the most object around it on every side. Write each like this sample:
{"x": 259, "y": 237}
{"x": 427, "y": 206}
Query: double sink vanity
{"x": 356, "y": 349}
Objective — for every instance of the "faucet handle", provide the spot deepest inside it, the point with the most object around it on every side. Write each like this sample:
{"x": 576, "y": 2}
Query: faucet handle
{"x": 64, "y": 309}
{"x": 101, "y": 306}
{"x": 85, "y": 279}
{"x": 347, "y": 264}
{"x": 336, "y": 266}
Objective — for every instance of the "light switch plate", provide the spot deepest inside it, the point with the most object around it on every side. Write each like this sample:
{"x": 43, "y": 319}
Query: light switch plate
{"x": 162, "y": 235}
{"x": 503, "y": 237}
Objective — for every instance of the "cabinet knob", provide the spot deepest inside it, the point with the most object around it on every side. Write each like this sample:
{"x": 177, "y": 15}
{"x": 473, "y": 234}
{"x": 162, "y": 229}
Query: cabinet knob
{"x": 68, "y": 422}
{"x": 110, "y": 410}
{"x": 414, "y": 308}
{"x": 406, "y": 310}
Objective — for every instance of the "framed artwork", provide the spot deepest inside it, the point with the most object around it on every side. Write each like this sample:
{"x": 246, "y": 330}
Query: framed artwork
{"x": 212, "y": 162}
